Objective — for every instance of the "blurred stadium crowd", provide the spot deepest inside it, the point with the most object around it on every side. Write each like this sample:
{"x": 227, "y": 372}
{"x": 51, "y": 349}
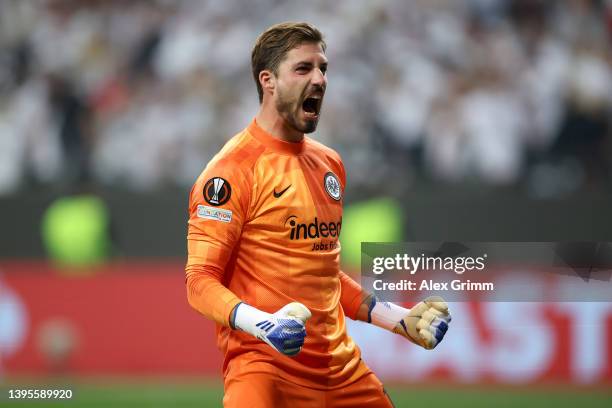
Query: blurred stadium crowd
{"x": 141, "y": 94}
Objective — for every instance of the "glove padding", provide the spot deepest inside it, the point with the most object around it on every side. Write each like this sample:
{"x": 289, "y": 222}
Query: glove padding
{"x": 426, "y": 323}
{"x": 285, "y": 330}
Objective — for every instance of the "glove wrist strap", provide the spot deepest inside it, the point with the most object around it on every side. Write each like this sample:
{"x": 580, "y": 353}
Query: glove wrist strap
{"x": 385, "y": 314}
{"x": 247, "y": 317}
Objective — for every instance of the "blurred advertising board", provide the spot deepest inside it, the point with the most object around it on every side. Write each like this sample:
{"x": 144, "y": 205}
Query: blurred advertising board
{"x": 133, "y": 318}
{"x": 124, "y": 318}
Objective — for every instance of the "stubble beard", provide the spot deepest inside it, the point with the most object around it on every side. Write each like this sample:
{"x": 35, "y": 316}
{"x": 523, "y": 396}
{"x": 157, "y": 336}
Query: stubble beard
{"x": 289, "y": 110}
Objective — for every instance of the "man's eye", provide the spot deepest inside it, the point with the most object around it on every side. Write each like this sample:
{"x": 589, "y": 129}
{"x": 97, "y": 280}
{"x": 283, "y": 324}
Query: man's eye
{"x": 302, "y": 69}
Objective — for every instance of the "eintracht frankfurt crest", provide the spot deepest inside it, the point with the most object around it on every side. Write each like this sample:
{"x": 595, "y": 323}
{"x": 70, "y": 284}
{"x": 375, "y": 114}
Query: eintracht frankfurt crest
{"x": 332, "y": 186}
{"x": 217, "y": 191}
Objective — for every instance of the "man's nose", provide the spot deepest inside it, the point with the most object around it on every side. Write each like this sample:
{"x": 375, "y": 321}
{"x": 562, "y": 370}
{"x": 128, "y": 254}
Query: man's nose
{"x": 318, "y": 78}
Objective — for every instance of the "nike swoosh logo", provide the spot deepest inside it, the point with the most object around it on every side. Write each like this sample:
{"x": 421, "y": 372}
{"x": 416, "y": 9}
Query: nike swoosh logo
{"x": 280, "y": 193}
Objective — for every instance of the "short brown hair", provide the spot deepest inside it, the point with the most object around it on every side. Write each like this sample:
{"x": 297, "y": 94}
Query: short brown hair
{"x": 273, "y": 45}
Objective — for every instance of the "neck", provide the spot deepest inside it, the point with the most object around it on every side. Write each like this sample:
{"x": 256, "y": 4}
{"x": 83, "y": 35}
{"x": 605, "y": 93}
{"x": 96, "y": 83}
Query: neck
{"x": 271, "y": 121}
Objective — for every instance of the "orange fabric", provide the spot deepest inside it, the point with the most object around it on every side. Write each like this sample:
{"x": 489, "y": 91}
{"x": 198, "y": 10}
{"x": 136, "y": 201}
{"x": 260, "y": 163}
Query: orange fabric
{"x": 351, "y": 295}
{"x": 261, "y": 385}
{"x": 281, "y": 245}
{"x": 207, "y": 295}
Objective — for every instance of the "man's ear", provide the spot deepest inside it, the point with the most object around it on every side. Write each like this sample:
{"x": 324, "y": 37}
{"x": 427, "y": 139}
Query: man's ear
{"x": 267, "y": 80}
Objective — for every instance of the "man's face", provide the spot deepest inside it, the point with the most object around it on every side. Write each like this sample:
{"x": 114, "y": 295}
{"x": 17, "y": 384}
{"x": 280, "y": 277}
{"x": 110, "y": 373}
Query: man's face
{"x": 300, "y": 86}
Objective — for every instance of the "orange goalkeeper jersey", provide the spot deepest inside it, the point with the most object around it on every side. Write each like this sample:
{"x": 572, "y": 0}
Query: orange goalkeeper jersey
{"x": 265, "y": 218}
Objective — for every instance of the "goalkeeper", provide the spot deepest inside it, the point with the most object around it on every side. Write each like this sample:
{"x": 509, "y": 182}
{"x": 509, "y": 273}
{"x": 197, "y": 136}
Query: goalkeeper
{"x": 265, "y": 218}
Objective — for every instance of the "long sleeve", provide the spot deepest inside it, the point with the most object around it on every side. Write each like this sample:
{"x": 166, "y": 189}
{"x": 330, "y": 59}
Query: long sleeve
{"x": 218, "y": 205}
{"x": 351, "y": 296}
{"x": 207, "y": 295}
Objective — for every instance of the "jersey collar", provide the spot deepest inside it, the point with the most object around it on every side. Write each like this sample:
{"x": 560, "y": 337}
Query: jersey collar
{"x": 274, "y": 143}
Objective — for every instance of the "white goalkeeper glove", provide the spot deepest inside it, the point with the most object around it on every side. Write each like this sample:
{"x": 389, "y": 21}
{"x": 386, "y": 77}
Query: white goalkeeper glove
{"x": 425, "y": 324}
{"x": 284, "y": 330}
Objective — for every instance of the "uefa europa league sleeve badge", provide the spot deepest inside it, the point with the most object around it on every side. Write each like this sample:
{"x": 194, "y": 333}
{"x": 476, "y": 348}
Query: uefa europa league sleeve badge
{"x": 217, "y": 191}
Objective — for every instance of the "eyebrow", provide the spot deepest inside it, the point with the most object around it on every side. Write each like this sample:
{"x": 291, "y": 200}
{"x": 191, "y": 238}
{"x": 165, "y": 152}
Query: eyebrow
{"x": 309, "y": 64}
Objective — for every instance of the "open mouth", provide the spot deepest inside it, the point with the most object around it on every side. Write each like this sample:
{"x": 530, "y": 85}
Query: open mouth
{"x": 312, "y": 106}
